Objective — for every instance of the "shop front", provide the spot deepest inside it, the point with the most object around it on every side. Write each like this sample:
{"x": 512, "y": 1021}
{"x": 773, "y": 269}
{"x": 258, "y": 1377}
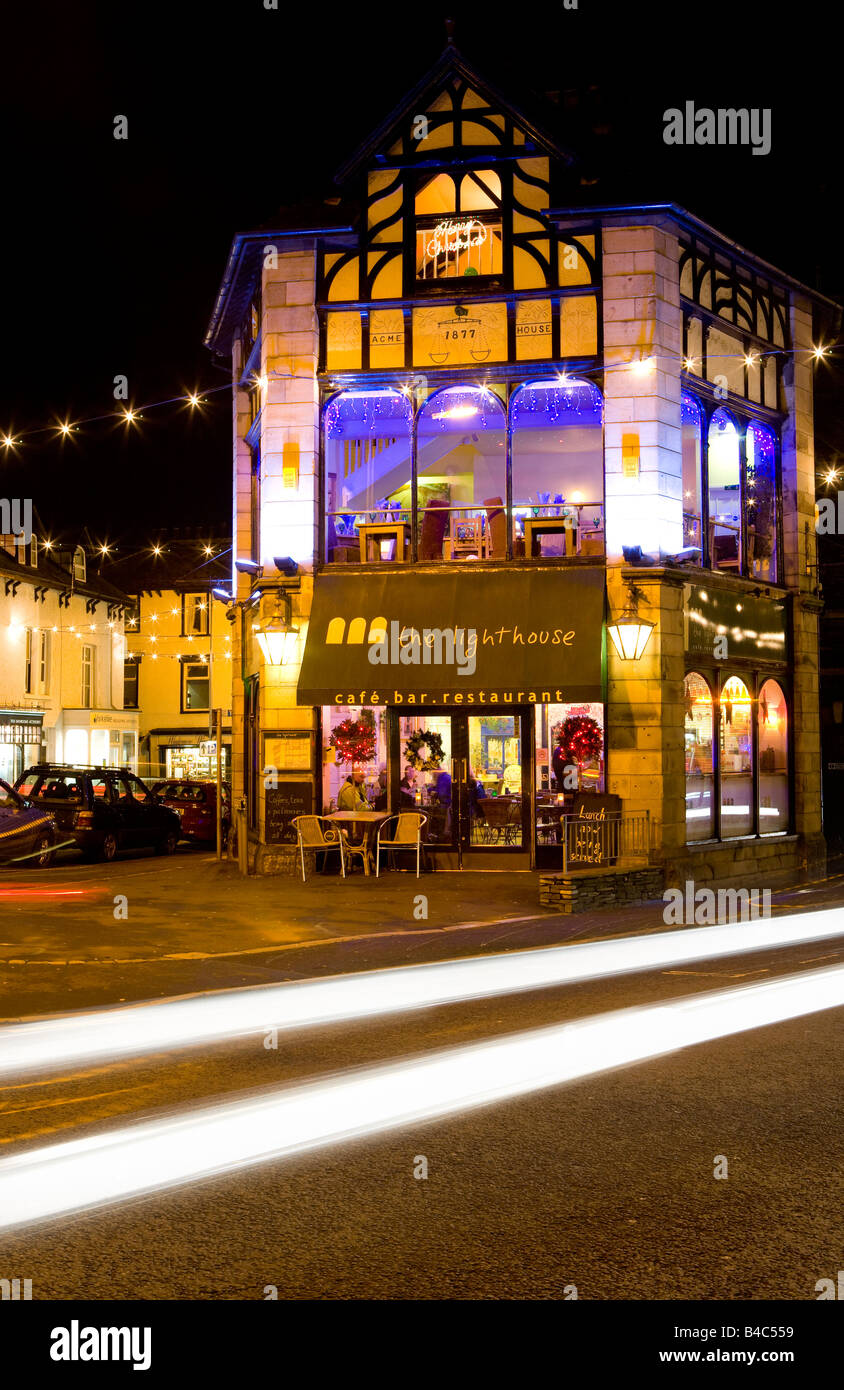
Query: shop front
{"x": 20, "y": 741}
{"x": 476, "y": 699}
{"x": 96, "y": 738}
{"x": 185, "y": 754}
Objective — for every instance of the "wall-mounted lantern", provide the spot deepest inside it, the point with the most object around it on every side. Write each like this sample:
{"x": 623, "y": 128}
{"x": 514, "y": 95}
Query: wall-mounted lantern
{"x": 630, "y": 634}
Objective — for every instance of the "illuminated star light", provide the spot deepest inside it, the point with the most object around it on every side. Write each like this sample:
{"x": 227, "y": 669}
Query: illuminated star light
{"x": 109, "y": 1167}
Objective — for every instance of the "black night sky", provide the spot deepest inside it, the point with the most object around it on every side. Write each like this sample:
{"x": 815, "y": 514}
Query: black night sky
{"x": 113, "y": 250}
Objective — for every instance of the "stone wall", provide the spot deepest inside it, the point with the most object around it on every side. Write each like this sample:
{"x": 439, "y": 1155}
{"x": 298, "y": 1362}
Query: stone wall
{"x": 591, "y": 890}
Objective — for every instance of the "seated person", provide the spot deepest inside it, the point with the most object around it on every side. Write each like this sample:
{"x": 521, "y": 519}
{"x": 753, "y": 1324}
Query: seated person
{"x": 407, "y": 788}
{"x": 381, "y": 802}
{"x": 352, "y": 794}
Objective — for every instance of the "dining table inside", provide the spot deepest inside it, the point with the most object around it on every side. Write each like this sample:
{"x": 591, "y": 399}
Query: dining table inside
{"x": 367, "y": 823}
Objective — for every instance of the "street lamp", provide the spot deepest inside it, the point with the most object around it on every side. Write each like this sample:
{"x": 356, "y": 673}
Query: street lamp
{"x": 630, "y": 633}
{"x": 277, "y": 634}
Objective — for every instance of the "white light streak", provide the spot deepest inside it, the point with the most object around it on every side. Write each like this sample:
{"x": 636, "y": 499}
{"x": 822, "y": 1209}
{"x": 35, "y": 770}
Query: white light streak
{"x": 143, "y": 1028}
{"x": 148, "y": 1157}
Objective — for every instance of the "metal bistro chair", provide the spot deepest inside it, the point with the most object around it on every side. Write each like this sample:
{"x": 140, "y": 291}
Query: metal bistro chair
{"x": 408, "y": 836}
{"x": 311, "y": 835}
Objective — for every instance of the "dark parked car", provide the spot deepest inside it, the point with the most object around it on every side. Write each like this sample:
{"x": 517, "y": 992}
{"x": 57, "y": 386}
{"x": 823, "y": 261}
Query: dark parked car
{"x": 27, "y": 834}
{"x": 104, "y": 809}
{"x": 195, "y": 803}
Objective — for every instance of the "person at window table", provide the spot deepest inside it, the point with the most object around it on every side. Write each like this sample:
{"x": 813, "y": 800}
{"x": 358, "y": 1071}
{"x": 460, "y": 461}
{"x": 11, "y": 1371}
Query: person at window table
{"x": 352, "y": 794}
{"x": 407, "y": 787}
{"x": 382, "y": 799}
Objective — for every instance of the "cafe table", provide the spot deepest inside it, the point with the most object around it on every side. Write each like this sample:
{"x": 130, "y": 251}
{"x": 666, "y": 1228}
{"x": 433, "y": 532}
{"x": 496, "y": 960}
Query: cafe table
{"x": 369, "y": 822}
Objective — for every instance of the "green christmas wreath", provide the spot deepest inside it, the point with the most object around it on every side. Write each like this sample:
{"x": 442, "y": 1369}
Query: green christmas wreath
{"x": 431, "y": 758}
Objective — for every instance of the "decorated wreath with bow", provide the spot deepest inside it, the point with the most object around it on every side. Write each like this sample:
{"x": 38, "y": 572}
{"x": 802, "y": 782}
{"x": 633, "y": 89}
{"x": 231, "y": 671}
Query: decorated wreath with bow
{"x": 354, "y": 739}
{"x": 424, "y": 751}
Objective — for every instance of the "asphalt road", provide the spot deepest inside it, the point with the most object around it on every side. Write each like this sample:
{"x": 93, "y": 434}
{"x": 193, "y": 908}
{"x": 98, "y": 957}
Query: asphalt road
{"x": 605, "y": 1183}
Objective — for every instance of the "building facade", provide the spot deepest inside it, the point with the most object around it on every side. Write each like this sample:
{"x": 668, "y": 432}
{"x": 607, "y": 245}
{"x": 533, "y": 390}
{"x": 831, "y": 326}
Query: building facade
{"x": 475, "y": 425}
{"x": 61, "y": 667}
{"x": 178, "y": 666}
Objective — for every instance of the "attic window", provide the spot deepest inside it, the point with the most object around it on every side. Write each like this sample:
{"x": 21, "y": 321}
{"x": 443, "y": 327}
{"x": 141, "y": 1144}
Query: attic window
{"x": 458, "y": 228}
{"x": 79, "y": 568}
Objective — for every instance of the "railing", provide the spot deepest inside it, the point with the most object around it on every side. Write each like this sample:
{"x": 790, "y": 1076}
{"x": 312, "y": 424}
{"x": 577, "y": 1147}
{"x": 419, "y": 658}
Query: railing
{"x": 467, "y": 530}
{"x": 592, "y": 843}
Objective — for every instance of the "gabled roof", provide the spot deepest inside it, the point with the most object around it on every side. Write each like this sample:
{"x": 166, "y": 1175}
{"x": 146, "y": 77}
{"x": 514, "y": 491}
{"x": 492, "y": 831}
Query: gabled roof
{"x": 450, "y": 64}
{"x": 49, "y": 575}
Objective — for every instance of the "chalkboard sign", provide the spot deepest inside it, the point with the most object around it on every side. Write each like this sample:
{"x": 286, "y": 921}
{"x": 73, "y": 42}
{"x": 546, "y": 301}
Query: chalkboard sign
{"x": 284, "y": 802}
{"x": 592, "y": 830}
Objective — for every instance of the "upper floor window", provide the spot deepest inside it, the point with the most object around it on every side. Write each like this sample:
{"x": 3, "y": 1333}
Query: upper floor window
{"x": 444, "y": 492}
{"x": 79, "y": 565}
{"x": 88, "y": 677}
{"x": 761, "y": 501}
{"x": 724, "y": 480}
{"x": 195, "y": 610}
{"x": 131, "y": 671}
{"x": 691, "y": 417}
{"x": 557, "y": 469}
{"x": 458, "y": 226}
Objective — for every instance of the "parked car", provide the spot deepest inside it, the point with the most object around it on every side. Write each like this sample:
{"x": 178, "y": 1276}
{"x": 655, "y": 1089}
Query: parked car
{"x": 103, "y": 809}
{"x": 27, "y": 833}
{"x": 195, "y": 803}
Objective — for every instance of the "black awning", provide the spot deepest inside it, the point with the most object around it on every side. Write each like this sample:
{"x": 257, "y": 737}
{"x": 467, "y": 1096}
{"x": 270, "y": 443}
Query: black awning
{"x": 459, "y": 636}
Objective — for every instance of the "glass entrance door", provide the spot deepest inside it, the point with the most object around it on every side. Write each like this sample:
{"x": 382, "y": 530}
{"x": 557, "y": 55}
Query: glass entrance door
{"x": 469, "y": 774}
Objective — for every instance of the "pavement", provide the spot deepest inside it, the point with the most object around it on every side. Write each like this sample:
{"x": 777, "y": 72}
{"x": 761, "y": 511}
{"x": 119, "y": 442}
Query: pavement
{"x": 83, "y": 936}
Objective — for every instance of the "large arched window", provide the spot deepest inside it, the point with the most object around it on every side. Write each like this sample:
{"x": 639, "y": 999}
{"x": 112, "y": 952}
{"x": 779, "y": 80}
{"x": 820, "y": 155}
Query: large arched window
{"x": 558, "y": 468}
{"x": 761, "y": 481}
{"x": 461, "y": 474}
{"x": 773, "y": 760}
{"x": 736, "y": 760}
{"x": 700, "y": 770}
{"x": 367, "y": 476}
{"x": 691, "y": 417}
{"x": 724, "y": 477}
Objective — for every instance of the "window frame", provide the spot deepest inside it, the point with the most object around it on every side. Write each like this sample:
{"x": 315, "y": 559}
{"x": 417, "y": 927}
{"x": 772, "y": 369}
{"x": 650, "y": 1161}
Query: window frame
{"x": 512, "y": 387}
{"x": 205, "y": 626}
{"x": 89, "y": 676}
{"x": 754, "y": 677}
{"x": 185, "y": 666}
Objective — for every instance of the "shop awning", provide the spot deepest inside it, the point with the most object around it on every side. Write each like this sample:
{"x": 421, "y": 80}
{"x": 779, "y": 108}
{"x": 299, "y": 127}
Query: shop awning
{"x": 455, "y": 637}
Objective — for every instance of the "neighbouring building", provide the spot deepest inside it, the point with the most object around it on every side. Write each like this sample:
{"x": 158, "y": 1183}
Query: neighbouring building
{"x": 523, "y": 494}
{"x": 61, "y": 664}
{"x": 178, "y": 659}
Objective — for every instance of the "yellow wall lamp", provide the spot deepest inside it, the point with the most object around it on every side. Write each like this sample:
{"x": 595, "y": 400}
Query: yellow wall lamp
{"x": 629, "y": 633}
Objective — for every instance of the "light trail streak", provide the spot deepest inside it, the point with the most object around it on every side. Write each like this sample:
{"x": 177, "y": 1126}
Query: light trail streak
{"x": 204, "y": 1019}
{"x": 154, "y": 1027}
{"x": 151, "y": 1156}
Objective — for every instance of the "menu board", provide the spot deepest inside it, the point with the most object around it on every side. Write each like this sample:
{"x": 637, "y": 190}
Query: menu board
{"x": 592, "y": 839}
{"x": 288, "y": 752}
{"x": 284, "y": 802}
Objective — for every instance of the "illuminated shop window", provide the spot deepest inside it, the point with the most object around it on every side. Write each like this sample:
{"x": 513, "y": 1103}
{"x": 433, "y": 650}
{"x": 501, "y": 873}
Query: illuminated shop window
{"x": 558, "y": 469}
{"x": 736, "y": 760}
{"x": 461, "y": 475}
{"x": 761, "y": 495}
{"x": 458, "y": 227}
{"x": 724, "y": 481}
{"x": 773, "y": 760}
{"x": 692, "y": 440}
{"x": 700, "y": 771}
{"x": 354, "y": 758}
{"x": 367, "y": 476}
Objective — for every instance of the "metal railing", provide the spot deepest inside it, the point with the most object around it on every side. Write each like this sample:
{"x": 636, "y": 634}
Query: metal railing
{"x": 592, "y": 843}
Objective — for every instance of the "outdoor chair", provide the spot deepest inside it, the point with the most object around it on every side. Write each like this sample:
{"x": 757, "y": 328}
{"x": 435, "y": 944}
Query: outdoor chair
{"x": 311, "y": 835}
{"x": 408, "y": 835}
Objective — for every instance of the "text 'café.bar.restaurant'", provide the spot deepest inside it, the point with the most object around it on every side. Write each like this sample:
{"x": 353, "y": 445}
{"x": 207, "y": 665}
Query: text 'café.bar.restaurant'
{"x": 524, "y": 503}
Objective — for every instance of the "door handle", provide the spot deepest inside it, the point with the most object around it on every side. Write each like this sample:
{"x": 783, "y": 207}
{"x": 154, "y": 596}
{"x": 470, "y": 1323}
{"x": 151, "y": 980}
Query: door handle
{"x": 465, "y": 771}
